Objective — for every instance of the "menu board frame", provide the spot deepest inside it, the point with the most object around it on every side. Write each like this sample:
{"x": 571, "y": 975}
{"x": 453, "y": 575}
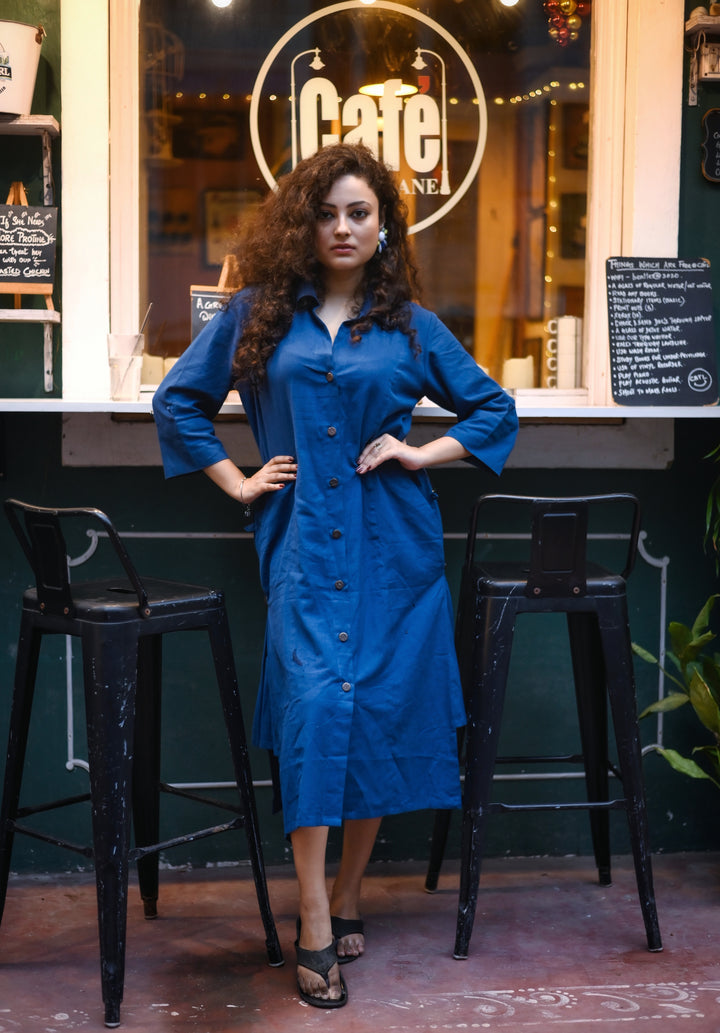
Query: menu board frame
{"x": 660, "y": 321}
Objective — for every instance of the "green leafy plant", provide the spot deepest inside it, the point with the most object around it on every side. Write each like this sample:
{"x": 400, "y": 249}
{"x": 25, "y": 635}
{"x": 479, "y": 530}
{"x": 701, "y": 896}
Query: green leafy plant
{"x": 698, "y": 683}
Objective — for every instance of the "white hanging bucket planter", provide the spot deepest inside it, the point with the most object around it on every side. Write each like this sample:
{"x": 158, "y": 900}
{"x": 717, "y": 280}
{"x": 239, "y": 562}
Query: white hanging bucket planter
{"x": 19, "y": 57}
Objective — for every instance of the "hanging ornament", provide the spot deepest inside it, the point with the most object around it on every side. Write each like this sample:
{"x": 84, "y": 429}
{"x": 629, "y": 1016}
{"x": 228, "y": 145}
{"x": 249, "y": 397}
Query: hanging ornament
{"x": 565, "y": 19}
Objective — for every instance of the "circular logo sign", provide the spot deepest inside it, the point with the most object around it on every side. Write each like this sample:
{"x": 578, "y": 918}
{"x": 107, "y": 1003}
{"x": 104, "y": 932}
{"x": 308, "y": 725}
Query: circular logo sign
{"x": 699, "y": 379}
{"x": 382, "y": 74}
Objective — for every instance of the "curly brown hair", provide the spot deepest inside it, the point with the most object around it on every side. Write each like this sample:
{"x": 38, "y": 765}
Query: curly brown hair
{"x": 276, "y": 254}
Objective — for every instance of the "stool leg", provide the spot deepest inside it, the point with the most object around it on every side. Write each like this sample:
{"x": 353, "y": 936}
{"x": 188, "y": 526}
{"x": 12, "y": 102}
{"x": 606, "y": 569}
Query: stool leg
{"x": 221, "y": 645}
{"x": 25, "y": 671}
{"x": 493, "y": 644}
{"x": 110, "y": 662}
{"x": 146, "y": 767}
{"x": 621, "y": 688}
{"x": 591, "y": 695}
{"x": 441, "y": 828}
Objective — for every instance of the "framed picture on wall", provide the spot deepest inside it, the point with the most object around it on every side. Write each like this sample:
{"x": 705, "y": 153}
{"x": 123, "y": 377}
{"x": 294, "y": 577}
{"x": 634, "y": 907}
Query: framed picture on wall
{"x": 172, "y": 219}
{"x": 224, "y": 212}
{"x": 573, "y": 224}
{"x": 208, "y": 135}
{"x": 575, "y": 123}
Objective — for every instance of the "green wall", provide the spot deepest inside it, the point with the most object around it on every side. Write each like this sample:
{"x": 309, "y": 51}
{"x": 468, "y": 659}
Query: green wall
{"x": 194, "y": 748}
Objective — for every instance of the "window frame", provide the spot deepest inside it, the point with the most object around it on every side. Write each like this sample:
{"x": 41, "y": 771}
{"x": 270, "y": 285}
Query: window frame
{"x": 636, "y": 101}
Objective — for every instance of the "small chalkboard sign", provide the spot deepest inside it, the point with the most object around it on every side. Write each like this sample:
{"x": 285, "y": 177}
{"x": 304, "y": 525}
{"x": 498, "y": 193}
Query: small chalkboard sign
{"x": 28, "y": 237}
{"x": 205, "y": 302}
{"x": 662, "y": 346}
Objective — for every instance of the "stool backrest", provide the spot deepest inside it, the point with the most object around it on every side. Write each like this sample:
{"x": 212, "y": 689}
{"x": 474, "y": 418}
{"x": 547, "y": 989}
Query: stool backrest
{"x": 43, "y": 543}
{"x": 558, "y": 547}
{"x": 558, "y": 538}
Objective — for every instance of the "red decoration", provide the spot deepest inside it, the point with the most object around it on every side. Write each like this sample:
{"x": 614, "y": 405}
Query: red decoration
{"x": 565, "y": 19}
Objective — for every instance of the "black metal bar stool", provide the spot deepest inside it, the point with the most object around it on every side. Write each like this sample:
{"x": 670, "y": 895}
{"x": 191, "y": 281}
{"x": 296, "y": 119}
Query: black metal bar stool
{"x": 120, "y": 623}
{"x": 556, "y": 576}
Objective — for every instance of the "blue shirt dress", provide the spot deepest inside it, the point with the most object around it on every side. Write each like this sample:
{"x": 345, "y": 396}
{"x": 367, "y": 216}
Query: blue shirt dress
{"x": 359, "y": 697}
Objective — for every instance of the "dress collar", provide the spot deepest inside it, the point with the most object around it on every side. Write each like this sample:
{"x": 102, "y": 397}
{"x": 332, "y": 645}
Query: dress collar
{"x": 307, "y": 298}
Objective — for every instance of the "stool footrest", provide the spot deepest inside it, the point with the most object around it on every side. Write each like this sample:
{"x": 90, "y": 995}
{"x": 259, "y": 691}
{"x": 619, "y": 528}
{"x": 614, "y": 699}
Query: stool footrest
{"x": 25, "y": 830}
{"x": 154, "y": 848}
{"x": 208, "y": 801}
{"x": 559, "y": 758}
{"x": 602, "y": 805}
{"x": 53, "y": 805}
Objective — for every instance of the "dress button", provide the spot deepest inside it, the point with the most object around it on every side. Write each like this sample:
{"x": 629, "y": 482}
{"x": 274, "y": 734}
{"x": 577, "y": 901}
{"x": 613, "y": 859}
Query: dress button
{"x": 339, "y": 585}
{"x": 332, "y": 432}
{"x": 333, "y": 482}
{"x": 329, "y": 376}
{"x": 336, "y": 533}
{"x": 346, "y": 686}
{"x": 343, "y": 636}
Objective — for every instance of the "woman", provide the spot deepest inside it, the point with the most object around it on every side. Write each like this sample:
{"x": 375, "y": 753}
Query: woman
{"x": 359, "y": 697}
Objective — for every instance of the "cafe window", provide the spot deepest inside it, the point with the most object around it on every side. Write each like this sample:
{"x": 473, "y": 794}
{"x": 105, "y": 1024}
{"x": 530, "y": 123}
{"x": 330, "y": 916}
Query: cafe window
{"x": 524, "y": 163}
{"x": 481, "y": 108}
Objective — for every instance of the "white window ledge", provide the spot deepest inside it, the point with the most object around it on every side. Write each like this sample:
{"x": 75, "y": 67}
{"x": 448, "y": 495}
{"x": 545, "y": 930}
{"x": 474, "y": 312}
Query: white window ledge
{"x": 527, "y": 409}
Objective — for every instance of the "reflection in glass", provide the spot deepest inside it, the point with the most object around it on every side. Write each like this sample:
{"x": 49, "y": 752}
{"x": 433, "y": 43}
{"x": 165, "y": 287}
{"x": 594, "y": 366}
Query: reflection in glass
{"x": 503, "y": 265}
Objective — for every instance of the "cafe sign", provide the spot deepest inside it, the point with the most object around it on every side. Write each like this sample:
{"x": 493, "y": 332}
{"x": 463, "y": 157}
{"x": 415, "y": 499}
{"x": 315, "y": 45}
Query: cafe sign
{"x": 382, "y": 74}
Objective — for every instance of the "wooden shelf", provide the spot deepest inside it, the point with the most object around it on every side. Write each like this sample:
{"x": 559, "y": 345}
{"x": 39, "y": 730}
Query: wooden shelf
{"x": 29, "y": 315}
{"x": 29, "y": 125}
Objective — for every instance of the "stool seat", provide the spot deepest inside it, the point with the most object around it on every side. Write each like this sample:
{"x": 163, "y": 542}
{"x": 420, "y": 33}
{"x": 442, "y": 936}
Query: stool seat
{"x": 115, "y": 599}
{"x": 506, "y": 578}
{"x": 554, "y": 576}
{"x": 120, "y": 623}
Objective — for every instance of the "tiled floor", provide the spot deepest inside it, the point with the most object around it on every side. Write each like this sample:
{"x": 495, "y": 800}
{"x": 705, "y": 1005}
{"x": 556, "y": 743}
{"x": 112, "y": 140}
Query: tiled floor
{"x": 552, "y": 952}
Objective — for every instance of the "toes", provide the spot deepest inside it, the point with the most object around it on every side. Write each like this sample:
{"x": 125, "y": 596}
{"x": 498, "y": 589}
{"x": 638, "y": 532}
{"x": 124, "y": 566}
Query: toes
{"x": 350, "y": 946}
{"x": 315, "y": 986}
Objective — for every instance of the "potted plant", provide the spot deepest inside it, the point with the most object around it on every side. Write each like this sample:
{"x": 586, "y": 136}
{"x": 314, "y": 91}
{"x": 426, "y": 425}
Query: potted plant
{"x": 698, "y": 683}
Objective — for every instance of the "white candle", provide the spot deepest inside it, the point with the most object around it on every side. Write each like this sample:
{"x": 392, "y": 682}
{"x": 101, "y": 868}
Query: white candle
{"x": 518, "y": 373}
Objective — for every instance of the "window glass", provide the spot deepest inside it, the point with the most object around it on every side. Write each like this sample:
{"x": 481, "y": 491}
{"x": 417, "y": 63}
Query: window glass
{"x": 482, "y": 108}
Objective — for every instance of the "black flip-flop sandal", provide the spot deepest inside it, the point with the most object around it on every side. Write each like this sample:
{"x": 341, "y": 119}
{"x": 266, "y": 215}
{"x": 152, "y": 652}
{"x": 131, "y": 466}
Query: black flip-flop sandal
{"x": 346, "y": 927}
{"x": 321, "y": 962}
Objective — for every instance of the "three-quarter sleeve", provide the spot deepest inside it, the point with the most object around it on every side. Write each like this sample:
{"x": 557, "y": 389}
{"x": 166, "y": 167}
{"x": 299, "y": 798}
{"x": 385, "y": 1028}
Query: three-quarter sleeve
{"x": 487, "y": 422}
{"x": 191, "y": 395}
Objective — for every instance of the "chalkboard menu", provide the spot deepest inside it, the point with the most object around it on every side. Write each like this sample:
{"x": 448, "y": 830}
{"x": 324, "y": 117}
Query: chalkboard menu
{"x": 662, "y": 346}
{"x": 205, "y": 302}
{"x": 28, "y": 237}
